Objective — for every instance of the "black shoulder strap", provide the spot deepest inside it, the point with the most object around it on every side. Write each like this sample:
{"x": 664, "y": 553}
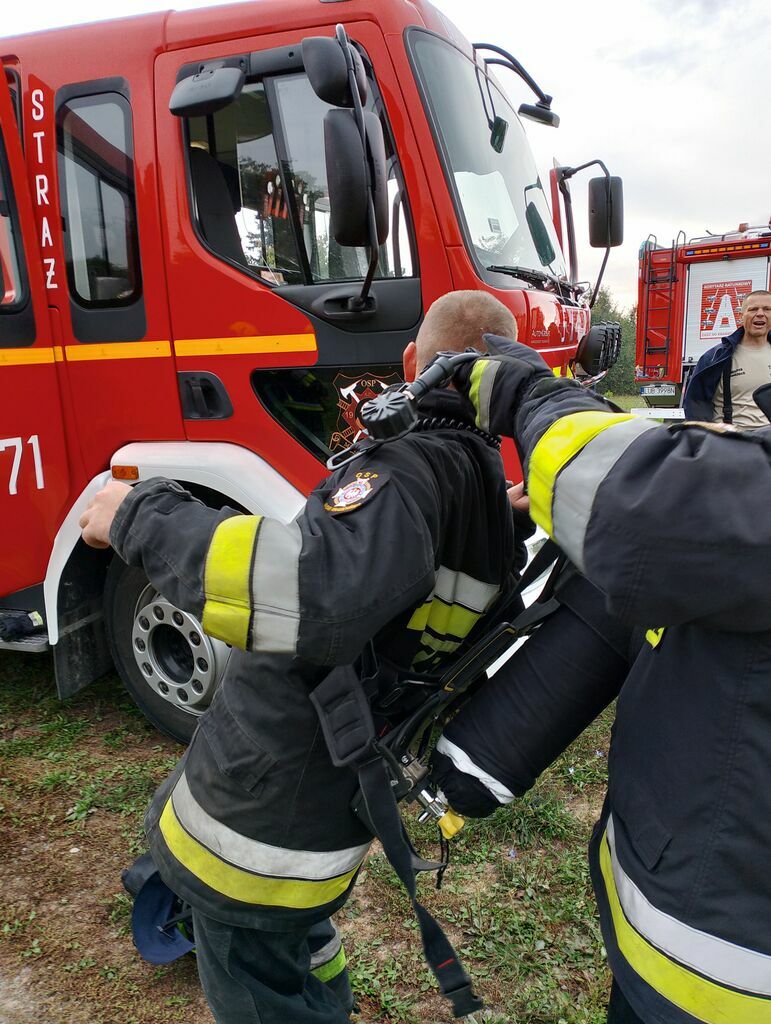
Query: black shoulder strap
{"x": 728, "y": 408}
{"x": 342, "y": 704}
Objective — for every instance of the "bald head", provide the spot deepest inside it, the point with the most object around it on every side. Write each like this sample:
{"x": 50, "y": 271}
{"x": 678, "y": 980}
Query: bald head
{"x": 458, "y": 320}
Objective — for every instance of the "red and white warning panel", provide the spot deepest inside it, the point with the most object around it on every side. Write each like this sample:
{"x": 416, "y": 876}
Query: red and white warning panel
{"x": 715, "y": 294}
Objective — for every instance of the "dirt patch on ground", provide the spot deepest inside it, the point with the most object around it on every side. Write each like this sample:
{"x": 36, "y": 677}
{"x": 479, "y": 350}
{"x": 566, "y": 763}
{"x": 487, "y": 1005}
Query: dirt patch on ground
{"x": 585, "y": 807}
{"x": 74, "y": 782}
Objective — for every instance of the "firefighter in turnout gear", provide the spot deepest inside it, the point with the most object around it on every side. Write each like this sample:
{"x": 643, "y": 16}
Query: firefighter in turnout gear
{"x": 672, "y": 525}
{"x": 404, "y": 549}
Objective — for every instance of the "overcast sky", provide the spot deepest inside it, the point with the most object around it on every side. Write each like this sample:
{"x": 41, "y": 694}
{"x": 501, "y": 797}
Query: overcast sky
{"x": 672, "y": 95}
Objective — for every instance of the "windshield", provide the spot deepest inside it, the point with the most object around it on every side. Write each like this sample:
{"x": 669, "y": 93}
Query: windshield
{"x": 499, "y": 194}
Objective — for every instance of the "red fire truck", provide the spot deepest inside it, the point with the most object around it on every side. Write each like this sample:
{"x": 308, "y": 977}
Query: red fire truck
{"x": 689, "y": 297}
{"x": 215, "y": 241}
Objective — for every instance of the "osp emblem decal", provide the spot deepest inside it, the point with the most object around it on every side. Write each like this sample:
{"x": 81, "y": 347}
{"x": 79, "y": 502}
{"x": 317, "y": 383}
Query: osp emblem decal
{"x": 352, "y": 392}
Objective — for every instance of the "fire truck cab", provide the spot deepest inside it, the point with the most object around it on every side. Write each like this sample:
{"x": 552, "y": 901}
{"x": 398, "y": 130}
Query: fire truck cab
{"x": 211, "y": 253}
{"x": 689, "y": 297}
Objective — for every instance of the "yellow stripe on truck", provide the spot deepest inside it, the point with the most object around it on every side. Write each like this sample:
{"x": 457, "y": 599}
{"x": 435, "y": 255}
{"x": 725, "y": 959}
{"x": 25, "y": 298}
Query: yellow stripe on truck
{"x": 117, "y": 350}
{"x": 259, "y": 345}
{"x": 86, "y": 352}
{"x": 29, "y": 356}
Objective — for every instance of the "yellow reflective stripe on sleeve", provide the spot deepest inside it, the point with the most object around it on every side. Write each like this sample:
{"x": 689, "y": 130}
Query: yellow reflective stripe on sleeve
{"x": 434, "y": 648}
{"x": 475, "y": 380}
{"x": 227, "y": 611}
{"x": 481, "y": 381}
{"x": 703, "y": 999}
{"x": 332, "y": 968}
{"x": 444, "y": 619}
{"x": 561, "y": 442}
{"x": 296, "y": 894}
{"x": 655, "y": 636}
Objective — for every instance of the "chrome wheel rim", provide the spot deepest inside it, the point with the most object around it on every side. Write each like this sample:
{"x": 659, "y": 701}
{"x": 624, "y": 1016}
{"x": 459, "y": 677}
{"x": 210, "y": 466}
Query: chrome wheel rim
{"x": 176, "y": 659}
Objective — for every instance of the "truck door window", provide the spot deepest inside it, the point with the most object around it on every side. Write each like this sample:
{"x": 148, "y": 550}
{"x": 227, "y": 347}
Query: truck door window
{"x": 97, "y": 185}
{"x": 259, "y": 188}
{"x": 12, "y": 290}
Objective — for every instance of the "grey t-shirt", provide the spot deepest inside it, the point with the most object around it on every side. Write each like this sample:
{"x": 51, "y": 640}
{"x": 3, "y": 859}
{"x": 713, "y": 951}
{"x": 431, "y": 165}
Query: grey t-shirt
{"x": 751, "y": 367}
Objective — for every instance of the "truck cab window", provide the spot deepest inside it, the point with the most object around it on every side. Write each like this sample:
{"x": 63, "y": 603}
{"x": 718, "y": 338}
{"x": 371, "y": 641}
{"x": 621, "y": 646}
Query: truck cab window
{"x": 12, "y": 295}
{"x": 97, "y": 184}
{"x": 259, "y": 188}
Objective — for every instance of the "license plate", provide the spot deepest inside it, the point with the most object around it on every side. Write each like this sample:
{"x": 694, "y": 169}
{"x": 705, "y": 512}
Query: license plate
{"x": 665, "y": 390}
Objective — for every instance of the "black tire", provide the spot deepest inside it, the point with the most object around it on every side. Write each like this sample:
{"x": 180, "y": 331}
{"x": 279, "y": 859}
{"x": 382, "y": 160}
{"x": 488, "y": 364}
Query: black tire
{"x": 170, "y": 655}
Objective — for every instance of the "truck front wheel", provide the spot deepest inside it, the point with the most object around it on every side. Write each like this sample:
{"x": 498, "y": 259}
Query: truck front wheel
{"x": 169, "y": 666}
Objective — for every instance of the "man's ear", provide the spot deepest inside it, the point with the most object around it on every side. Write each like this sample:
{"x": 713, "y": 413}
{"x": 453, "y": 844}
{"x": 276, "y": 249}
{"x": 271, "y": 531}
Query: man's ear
{"x": 410, "y": 362}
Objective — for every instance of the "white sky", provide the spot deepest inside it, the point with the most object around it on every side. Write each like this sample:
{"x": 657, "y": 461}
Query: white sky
{"x": 671, "y": 94}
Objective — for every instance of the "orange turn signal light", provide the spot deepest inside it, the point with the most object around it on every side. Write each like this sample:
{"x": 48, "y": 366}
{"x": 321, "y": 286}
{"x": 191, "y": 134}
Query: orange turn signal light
{"x": 125, "y": 472}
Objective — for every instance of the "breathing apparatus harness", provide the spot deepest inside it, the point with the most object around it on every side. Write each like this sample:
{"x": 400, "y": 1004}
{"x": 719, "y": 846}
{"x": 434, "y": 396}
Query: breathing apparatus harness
{"x": 393, "y": 766}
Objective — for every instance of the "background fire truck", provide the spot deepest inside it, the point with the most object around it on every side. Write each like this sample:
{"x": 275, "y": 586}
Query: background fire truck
{"x": 689, "y": 297}
{"x": 218, "y": 230}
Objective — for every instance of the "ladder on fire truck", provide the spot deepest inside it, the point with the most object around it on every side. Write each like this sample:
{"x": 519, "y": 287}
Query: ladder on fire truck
{"x": 659, "y": 278}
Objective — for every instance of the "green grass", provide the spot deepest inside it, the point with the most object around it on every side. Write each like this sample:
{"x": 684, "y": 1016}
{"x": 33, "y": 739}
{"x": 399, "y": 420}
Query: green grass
{"x": 77, "y": 776}
{"x": 626, "y": 402}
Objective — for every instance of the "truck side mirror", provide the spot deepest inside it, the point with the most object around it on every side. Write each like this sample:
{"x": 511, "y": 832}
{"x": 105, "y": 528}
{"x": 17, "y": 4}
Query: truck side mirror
{"x": 606, "y": 212}
{"x": 325, "y": 66}
{"x": 206, "y": 92}
{"x": 346, "y": 161}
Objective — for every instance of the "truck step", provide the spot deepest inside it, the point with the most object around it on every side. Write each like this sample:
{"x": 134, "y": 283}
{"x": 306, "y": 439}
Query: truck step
{"x": 31, "y": 644}
{"x": 22, "y": 630}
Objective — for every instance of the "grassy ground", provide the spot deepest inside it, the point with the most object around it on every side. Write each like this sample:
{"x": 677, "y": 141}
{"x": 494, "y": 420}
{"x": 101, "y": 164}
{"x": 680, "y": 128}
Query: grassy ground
{"x": 628, "y": 402}
{"x": 74, "y": 781}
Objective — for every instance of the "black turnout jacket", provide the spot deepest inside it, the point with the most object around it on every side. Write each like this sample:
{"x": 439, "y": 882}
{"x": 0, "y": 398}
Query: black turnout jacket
{"x": 408, "y": 546}
{"x": 672, "y": 524}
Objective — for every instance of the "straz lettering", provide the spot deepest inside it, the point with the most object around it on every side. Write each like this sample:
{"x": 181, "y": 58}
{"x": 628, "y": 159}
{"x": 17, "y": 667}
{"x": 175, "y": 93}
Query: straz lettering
{"x": 42, "y": 186}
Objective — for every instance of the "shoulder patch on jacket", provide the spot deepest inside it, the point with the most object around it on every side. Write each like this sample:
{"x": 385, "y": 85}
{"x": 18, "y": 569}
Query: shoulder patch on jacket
{"x": 352, "y": 495}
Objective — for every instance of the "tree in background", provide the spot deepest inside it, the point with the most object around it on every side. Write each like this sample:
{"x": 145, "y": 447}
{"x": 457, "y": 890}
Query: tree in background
{"x": 620, "y": 379}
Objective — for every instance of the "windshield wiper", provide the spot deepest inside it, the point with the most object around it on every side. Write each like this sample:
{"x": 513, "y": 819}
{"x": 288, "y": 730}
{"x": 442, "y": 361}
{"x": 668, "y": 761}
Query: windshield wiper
{"x": 528, "y": 274}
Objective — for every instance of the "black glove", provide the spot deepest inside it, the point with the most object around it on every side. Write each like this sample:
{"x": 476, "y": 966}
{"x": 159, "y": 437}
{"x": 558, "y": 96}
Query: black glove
{"x": 497, "y": 383}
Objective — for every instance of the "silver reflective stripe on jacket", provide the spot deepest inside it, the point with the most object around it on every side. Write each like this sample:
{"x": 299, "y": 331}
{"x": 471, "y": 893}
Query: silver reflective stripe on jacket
{"x": 724, "y": 962}
{"x": 453, "y": 587}
{"x": 276, "y": 587}
{"x": 252, "y": 855}
{"x": 464, "y": 764}
{"x": 576, "y": 486}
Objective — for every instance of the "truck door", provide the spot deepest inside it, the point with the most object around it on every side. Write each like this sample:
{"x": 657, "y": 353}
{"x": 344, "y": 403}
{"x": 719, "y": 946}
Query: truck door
{"x": 268, "y": 357}
{"x": 34, "y": 469}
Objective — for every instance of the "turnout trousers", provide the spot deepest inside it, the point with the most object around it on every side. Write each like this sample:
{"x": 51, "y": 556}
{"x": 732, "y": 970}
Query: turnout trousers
{"x": 619, "y": 1010}
{"x": 253, "y": 976}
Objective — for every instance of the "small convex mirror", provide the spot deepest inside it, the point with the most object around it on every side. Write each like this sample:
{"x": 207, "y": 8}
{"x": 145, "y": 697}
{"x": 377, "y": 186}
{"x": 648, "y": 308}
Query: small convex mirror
{"x": 206, "y": 92}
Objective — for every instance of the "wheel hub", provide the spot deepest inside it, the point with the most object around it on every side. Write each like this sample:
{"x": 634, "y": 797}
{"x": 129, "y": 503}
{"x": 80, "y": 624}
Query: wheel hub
{"x": 176, "y": 658}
